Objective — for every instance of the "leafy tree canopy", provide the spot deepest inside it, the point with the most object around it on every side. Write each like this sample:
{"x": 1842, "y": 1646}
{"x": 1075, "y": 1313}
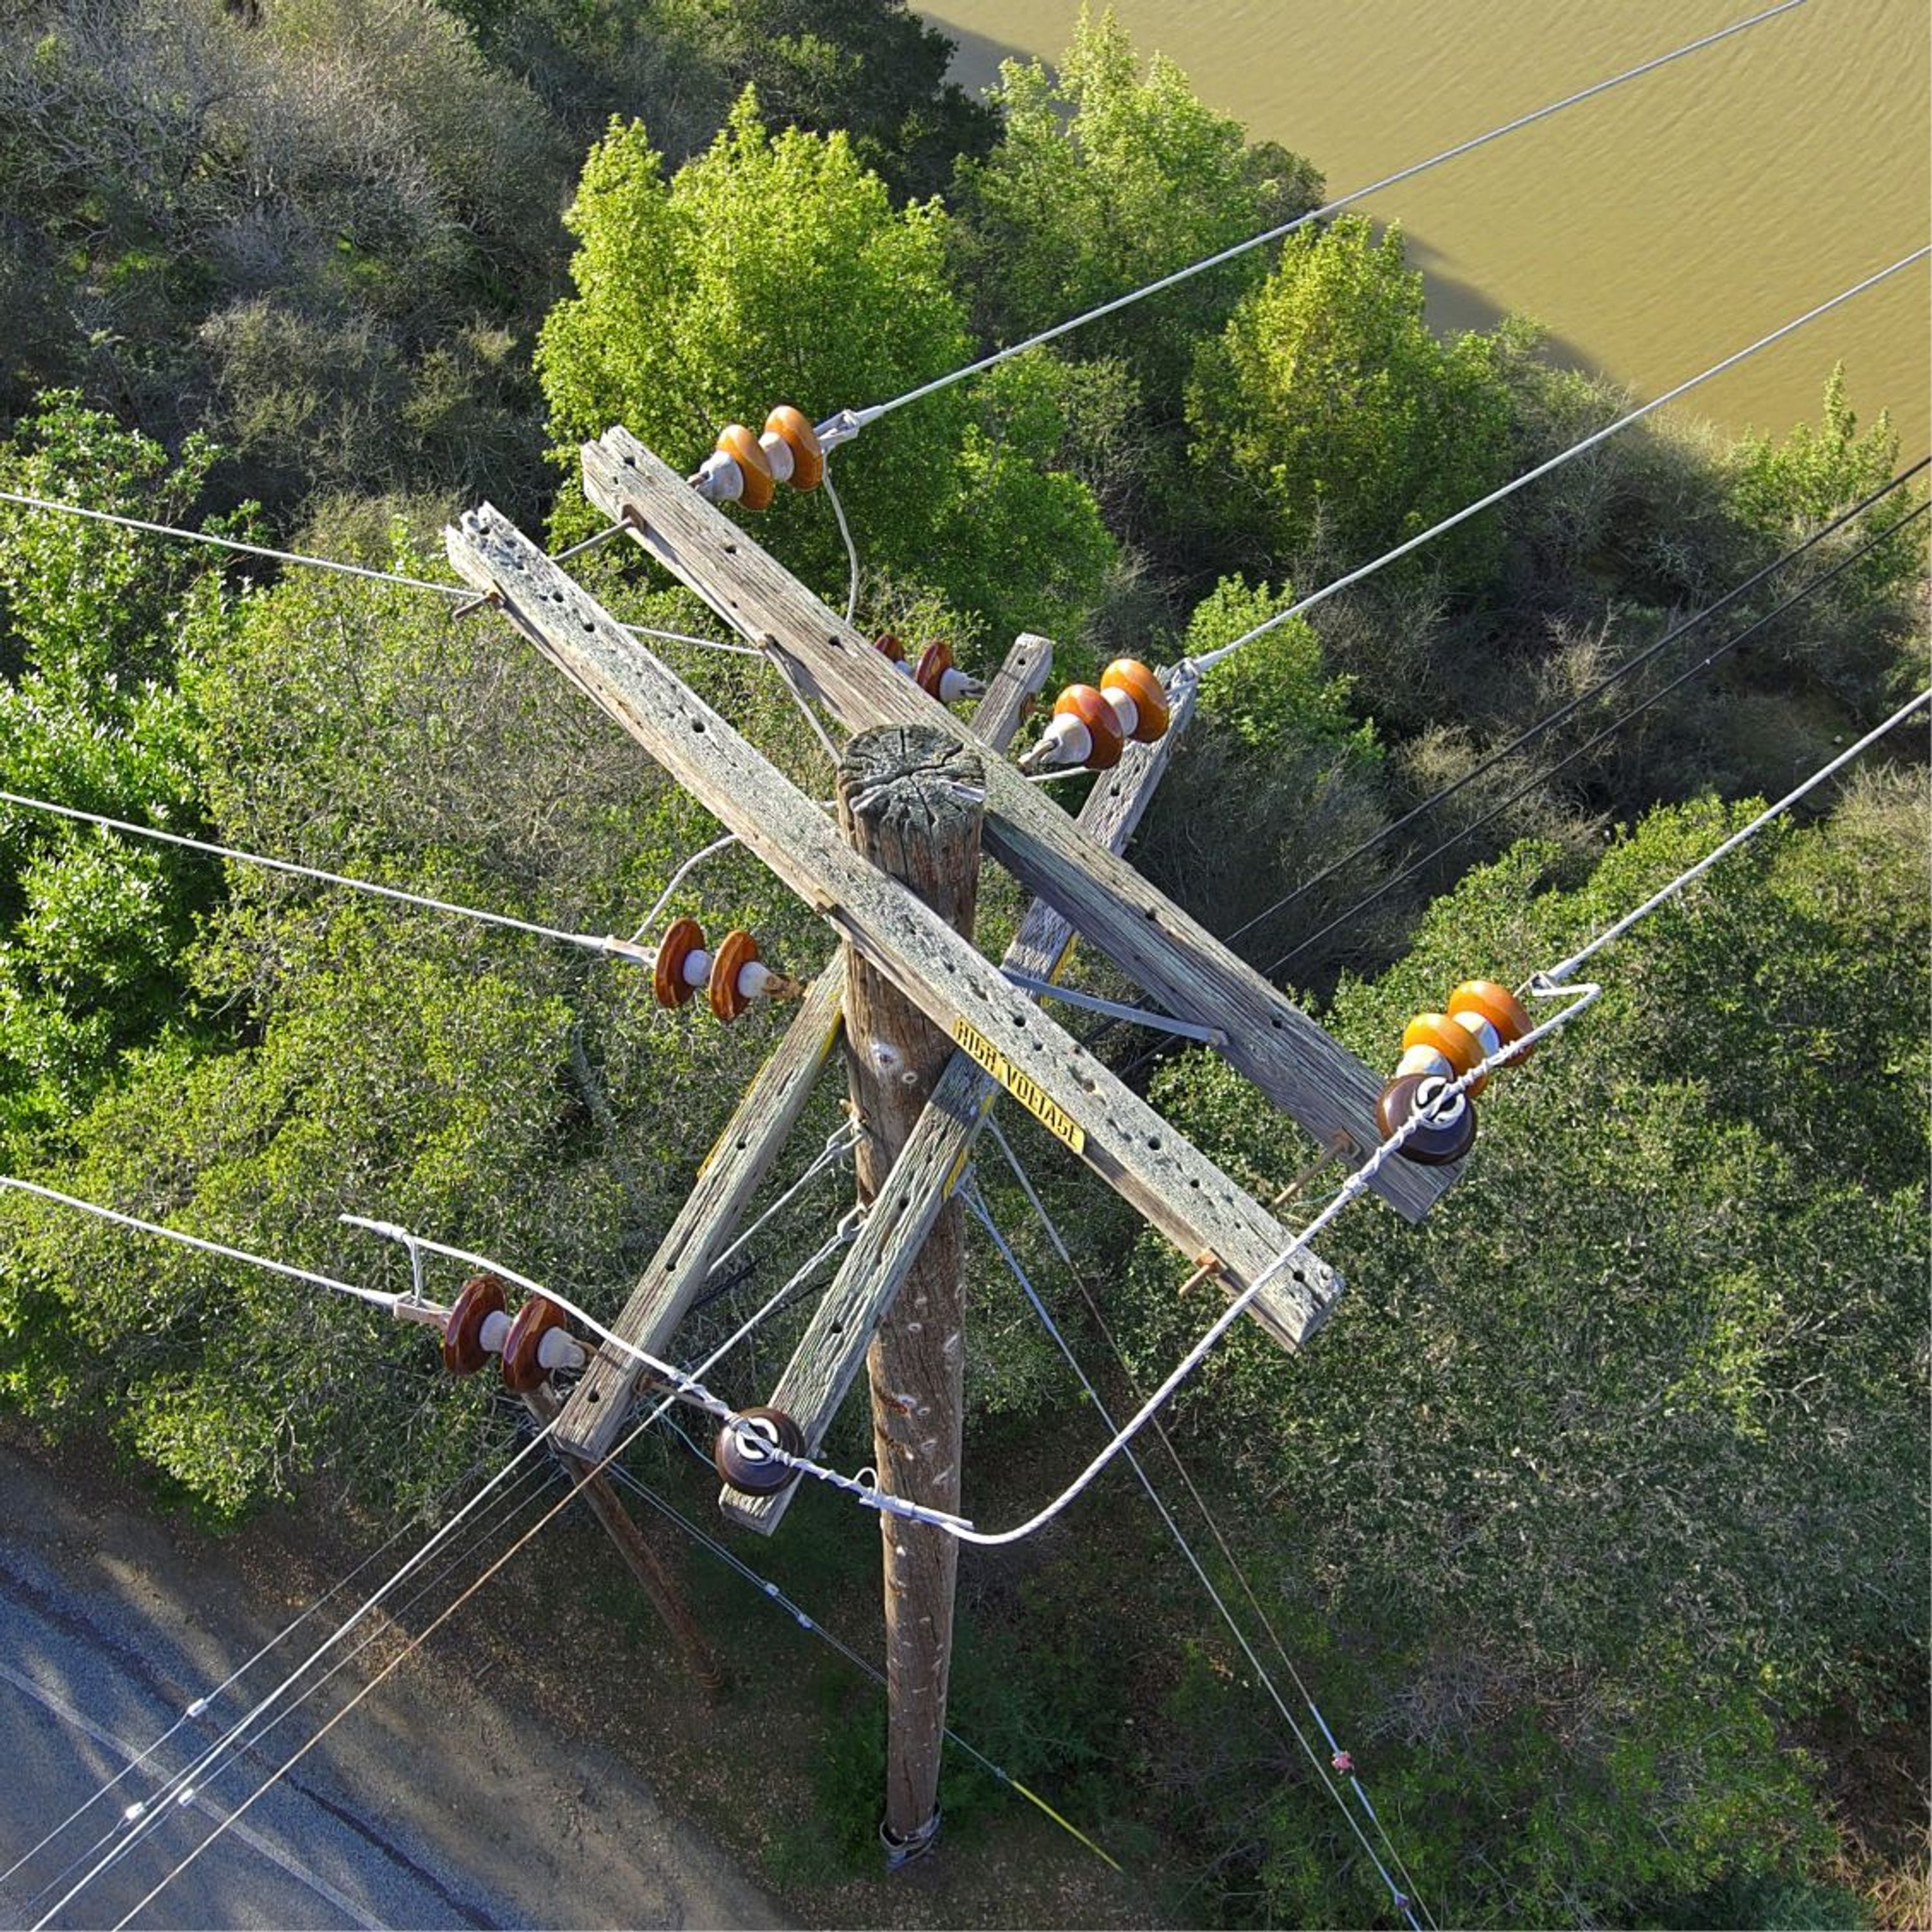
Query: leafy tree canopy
{"x": 1334, "y": 404}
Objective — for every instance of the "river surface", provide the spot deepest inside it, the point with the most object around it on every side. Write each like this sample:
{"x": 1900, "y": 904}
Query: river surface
{"x": 1651, "y": 230}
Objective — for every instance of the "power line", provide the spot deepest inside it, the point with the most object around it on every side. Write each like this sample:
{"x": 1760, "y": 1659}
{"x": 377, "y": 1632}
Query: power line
{"x": 1212, "y": 658}
{"x": 198, "y": 1704}
{"x": 849, "y": 422}
{"x": 805, "y": 1621}
{"x": 1545, "y": 984}
{"x": 184, "y": 1781}
{"x": 55, "y": 506}
{"x": 1403, "y": 1903}
{"x": 1589, "y": 744}
{"x": 145, "y": 1817}
{"x": 608, "y": 945}
{"x": 1167, "y": 1442}
{"x": 1570, "y": 706}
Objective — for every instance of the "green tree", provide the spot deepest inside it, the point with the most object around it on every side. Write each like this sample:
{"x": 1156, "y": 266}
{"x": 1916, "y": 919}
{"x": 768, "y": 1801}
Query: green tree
{"x": 93, "y": 621}
{"x": 1330, "y": 402}
{"x": 1625, "y": 1444}
{"x": 774, "y": 268}
{"x": 1105, "y": 178}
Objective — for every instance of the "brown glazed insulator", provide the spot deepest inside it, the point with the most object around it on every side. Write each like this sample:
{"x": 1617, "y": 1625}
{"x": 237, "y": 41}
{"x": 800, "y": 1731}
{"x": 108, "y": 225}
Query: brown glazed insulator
{"x": 1103, "y": 729}
{"x": 889, "y": 647}
{"x": 1130, "y": 675}
{"x": 523, "y": 1368}
{"x": 1437, "y": 1142}
{"x": 682, "y": 938}
{"x": 792, "y": 428}
{"x": 934, "y": 662}
{"x": 462, "y": 1350}
{"x": 736, "y": 442}
{"x": 737, "y": 951}
{"x": 748, "y": 1472}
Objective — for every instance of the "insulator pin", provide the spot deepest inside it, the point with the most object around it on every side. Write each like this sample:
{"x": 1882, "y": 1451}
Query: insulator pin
{"x": 742, "y": 1452}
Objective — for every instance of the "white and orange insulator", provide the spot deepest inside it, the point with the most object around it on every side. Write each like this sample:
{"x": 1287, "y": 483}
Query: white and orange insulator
{"x": 938, "y": 676}
{"x": 733, "y": 976}
{"x": 793, "y": 449}
{"x": 1437, "y": 1051}
{"x": 533, "y": 1342}
{"x": 737, "y": 470}
{"x": 746, "y": 468}
{"x": 1092, "y": 728}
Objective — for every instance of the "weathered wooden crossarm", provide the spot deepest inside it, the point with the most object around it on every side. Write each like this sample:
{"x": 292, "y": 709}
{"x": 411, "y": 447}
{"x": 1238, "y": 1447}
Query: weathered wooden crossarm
{"x": 745, "y": 1151}
{"x": 698, "y": 1233}
{"x": 1173, "y": 1185}
{"x": 1312, "y": 1078}
{"x": 831, "y": 1352}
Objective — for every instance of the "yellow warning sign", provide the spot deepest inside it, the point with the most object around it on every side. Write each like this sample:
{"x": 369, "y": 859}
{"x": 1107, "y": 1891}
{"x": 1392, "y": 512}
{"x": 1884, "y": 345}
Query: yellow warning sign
{"x": 1028, "y": 1092}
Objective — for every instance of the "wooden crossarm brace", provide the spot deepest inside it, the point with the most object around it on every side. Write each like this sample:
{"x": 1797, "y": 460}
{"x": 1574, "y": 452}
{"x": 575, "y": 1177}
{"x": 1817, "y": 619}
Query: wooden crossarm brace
{"x": 595, "y": 1413}
{"x": 1156, "y": 1169}
{"x": 832, "y": 1350}
{"x": 1314, "y": 1080}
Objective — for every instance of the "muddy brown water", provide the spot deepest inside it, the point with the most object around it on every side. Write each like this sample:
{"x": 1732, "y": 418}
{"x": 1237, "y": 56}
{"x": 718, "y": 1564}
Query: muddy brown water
{"x": 1651, "y": 230}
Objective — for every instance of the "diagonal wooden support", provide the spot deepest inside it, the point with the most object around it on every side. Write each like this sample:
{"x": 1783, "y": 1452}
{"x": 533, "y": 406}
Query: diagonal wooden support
{"x": 750, "y": 1143}
{"x": 731, "y": 1174}
{"x": 1271, "y": 1040}
{"x": 1172, "y": 1184}
{"x": 832, "y": 1351}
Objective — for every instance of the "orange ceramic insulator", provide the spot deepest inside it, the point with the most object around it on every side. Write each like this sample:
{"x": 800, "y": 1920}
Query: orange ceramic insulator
{"x": 1498, "y": 1005}
{"x": 794, "y": 428}
{"x": 684, "y": 937}
{"x": 1455, "y": 1044}
{"x": 1130, "y": 675}
{"x": 522, "y": 1364}
{"x": 462, "y": 1350}
{"x": 739, "y": 950}
{"x": 889, "y": 647}
{"x": 1103, "y": 729}
{"x": 736, "y": 442}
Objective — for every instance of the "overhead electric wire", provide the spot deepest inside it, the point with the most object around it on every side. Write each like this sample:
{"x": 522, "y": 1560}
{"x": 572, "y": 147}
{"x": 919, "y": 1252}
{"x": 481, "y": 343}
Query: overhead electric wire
{"x": 142, "y": 1820}
{"x": 1568, "y": 709}
{"x": 608, "y": 945}
{"x": 198, "y": 1704}
{"x": 54, "y": 505}
{"x": 1403, "y": 1902}
{"x": 1210, "y": 658}
{"x": 1058, "y": 1242}
{"x": 805, "y": 1621}
{"x": 1548, "y": 984}
{"x": 681, "y": 1381}
{"x": 1541, "y": 778}
{"x": 860, "y": 418}
{"x": 188, "y": 1776}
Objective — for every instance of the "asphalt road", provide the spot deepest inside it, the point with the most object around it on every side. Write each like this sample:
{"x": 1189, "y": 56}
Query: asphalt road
{"x": 430, "y": 1805}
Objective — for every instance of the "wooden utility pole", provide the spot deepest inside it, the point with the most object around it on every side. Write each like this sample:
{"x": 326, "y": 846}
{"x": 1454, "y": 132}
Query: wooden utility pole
{"x": 911, "y": 801}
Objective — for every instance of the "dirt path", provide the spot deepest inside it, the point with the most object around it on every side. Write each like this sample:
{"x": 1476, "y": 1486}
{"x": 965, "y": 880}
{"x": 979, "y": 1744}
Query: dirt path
{"x": 446, "y": 1799}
